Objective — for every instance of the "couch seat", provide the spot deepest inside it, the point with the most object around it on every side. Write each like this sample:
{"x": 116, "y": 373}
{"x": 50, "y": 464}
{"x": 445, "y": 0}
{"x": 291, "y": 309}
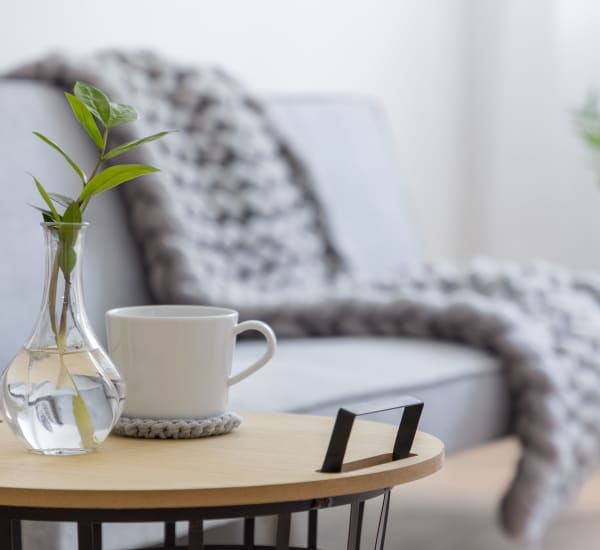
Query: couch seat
{"x": 464, "y": 389}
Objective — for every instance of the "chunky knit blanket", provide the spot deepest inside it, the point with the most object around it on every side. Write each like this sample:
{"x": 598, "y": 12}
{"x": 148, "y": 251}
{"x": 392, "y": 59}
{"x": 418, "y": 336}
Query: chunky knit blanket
{"x": 234, "y": 220}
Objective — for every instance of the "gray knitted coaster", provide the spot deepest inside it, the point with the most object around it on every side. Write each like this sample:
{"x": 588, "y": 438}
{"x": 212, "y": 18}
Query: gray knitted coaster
{"x": 177, "y": 428}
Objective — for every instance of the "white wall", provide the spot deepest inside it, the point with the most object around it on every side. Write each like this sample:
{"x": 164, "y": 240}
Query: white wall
{"x": 530, "y": 182}
{"x": 408, "y": 54}
{"x": 478, "y": 93}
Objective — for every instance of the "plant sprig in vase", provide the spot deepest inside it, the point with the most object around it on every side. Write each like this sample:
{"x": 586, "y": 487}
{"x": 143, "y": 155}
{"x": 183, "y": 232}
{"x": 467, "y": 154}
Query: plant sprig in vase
{"x": 97, "y": 114}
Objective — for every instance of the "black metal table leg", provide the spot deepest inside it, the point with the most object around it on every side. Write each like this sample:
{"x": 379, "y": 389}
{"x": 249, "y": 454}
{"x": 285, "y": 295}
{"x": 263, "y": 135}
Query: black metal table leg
{"x": 6, "y": 537}
{"x": 283, "y": 531}
{"x": 196, "y": 535}
{"x": 170, "y": 534}
{"x": 16, "y": 534}
{"x": 249, "y": 534}
{"x": 97, "y": 535}
{"x": 381, "y": 529}
{"x": 313, "y": 518}
{"x": 85, "y": 535}
{"x": 357, "y": 510}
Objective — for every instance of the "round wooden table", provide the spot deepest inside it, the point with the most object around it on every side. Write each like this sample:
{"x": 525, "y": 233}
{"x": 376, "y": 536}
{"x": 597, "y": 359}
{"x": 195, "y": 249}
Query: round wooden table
{"x": 268, "y": 466}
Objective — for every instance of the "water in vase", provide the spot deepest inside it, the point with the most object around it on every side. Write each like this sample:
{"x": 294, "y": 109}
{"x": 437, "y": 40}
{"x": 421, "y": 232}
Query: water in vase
{"x": 61, "y": 403}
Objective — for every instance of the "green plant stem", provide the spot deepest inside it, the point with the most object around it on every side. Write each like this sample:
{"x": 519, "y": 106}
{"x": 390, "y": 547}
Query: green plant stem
{"x": 53, "y": 290}
{"x": 62, "y": 329}
{"x": 101, "y": 154}
{"x": 61, "y": 335}
{"x": 97, "y": 166}
{"x": 80, "y": 411}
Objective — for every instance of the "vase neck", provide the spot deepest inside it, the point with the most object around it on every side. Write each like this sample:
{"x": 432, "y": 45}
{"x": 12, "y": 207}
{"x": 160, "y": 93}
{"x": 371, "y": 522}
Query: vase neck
{"x": 63, "y": 321}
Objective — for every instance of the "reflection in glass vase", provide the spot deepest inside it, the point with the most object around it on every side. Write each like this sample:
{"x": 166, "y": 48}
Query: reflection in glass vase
{"x": 61, "y": 394}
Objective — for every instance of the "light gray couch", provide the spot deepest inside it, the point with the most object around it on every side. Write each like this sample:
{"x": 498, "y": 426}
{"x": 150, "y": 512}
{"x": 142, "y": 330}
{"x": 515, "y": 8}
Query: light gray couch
{"x": 346, "y": 143}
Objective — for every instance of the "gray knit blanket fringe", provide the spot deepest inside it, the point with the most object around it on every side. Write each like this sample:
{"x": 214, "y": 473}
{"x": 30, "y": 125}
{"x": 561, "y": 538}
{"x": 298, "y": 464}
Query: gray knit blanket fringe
{"x": 233, "y": 219}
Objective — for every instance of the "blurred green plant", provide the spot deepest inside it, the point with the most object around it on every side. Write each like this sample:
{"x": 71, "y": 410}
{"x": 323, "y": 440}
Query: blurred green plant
{"x": 587, "y": 121}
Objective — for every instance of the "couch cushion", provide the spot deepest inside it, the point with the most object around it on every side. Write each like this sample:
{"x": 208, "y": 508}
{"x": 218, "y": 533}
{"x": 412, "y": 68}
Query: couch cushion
{"x": 464, "y": 389}
{"x": 112, "y": 267}
{"x": 350, "y": 153}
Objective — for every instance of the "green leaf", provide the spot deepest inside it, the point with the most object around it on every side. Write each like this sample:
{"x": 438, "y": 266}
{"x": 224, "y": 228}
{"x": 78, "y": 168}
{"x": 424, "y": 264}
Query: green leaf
{"x": 121, "y": 114}
{"x": 83, "y": 115}
{"x": 95, "y": 100}
{"x": 68, "y": 236}
{"x": 46, "y": 214}
{"x": 40, "y": 209}
{"x": 83, "y": 419}
{"x": 67, "y": 257}
{"x": 63, "y": 200}
{"x": 65, "y": 156}
{"x": 46, "y": 198}
{"x": 121, "y": 149}
{"x": 72, "y": 213}
{"x": 113, "y": 176}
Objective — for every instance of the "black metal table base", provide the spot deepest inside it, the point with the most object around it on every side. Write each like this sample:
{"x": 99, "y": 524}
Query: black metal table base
{"x": 89, "y": 522}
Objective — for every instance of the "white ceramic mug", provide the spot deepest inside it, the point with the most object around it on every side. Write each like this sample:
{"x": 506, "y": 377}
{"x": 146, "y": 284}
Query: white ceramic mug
{"x": 176, "y": 360}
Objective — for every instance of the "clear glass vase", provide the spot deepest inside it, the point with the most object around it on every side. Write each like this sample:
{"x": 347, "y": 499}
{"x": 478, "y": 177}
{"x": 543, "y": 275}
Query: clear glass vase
{"x": 61, "y": 394}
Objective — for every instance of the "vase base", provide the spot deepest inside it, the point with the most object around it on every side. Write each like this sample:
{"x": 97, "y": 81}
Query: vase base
{"x": 61, "y": 452}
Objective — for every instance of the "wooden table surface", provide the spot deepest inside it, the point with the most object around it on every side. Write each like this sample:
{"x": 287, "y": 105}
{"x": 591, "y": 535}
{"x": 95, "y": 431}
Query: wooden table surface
{"x": 270, "y": 458}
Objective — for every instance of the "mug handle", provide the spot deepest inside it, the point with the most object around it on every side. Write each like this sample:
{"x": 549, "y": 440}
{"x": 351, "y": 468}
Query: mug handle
{"x": 268, "y": 333}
